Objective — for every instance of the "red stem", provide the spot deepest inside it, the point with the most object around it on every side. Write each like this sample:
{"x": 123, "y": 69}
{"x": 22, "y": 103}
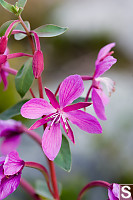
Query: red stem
{"x": 29, "y": 189}
{"x": 32, "y": 94}
{"x": 10, "y": 70}
{"x": 40, "y": 87}
{"x": 10, "y": 27}
{"x": 15, "y": 55}
{"x": 42, "y": 169}
{"x": 92, "y": 184}
{"x": 86, "y": 78}
{"x": 87, "y": 96}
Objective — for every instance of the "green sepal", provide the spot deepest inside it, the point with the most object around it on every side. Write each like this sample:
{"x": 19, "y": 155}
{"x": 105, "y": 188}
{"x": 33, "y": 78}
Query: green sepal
{"x": 24, "y": 78}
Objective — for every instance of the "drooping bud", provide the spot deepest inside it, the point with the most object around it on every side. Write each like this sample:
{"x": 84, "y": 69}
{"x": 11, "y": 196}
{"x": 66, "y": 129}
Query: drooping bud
{"x": 3, "y": 44}
{"x": 38, "y": 63}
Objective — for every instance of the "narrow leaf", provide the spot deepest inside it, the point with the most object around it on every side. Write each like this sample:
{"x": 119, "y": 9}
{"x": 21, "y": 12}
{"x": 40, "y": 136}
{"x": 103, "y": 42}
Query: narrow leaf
{"x": 63, "y": 158}
{"x": 42, "y": 190}
{"x": 20, "y": 36}
{"x": 4, "y": 27}
{"x": 50, "y": 30}
{"x": 7, "y": 6}
{"x": 12, "y": 111}
{"x": 24, "y": 78}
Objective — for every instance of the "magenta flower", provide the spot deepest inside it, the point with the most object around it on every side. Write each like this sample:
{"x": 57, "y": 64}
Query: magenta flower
{"x": 70, "y": 89}
{"x": 10, "y": 173}
{"x": 4, "y": 65}
{"x": 103, "y": 63}
{"x": 114, "y": 191}
{"x": 10, "y": 130}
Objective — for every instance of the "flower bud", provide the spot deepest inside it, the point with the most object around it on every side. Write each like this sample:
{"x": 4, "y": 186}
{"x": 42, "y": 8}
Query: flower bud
{"x": 38, "y": 64}
{"x": 3, "y": 44}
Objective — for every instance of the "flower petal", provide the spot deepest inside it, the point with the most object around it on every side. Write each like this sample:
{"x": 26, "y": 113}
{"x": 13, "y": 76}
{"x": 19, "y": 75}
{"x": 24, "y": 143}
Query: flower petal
{"x": 10, "y": 144}
{"x": 40, "y": 122}
{"x": 4, "y": 79}
{"x": 114, "y": 191}
{"x": 36, "y": 108}
{"x": 76, "y": 106}
{"x": 67, "y": 130}
{"x": 51, "y": 140}
{"x": 98, "y": 104}
{"x": 52, "y": 98}
{"x": 104, "y": 65}
{"x": 9, "y": 185}
{"x": 104, "y": 51}
{"x": 84, "y": 121}
{"x": 70, "y": 89}
{"x": 13, "y": 164}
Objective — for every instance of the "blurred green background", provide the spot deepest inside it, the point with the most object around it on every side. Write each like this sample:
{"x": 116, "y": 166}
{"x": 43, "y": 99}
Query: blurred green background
{"x": 92, "y": 24}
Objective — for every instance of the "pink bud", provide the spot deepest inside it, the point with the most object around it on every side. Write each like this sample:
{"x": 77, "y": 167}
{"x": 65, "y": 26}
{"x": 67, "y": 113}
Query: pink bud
{"x": 3, "y": 59}
{"x": 38, "y": 64}
{"x": 3, "y": 44}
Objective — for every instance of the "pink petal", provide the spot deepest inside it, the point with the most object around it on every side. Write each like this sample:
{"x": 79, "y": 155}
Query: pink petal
{"x": 52, "y": 98}
{"x": 70, "y": 89}
{"x": 3, "y": 59}
{"x": 10, "y": 144}
{"x": 114, "y": 191}
{"x": 104, "y": 51}
{"x": 36, "y": 108}
{"x": 98, "y": 104}
{"x": 13, "y": 164}
{"x": 84, "y": 121}
{"x": 67, "y": 130}
{"x": 76, "y": 106}
{"x": 51, "y": 140}
{"x": 4, "y": 79}
{"x": 103, "y": 96}
{"x": 41, "y": 122}
{"x": 104, "y": 65}
{"x": 9, "y": 185}
{"x": 3, "y": 44}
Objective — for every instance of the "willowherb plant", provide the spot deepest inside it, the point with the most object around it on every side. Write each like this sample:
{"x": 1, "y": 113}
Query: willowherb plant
{"x": 59, "y": 111}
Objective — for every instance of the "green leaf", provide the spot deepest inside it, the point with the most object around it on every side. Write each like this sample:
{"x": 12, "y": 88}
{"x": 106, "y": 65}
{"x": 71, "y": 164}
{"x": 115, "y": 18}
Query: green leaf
{"x": 24, "y": 78}
{"x": 42, "y": 190}
{"x": 7, "y": 6}
{"x": 13, "y": 111}
{"x": 20, "y": 36}
{"x": 63, "y": 158}
{"x": 81, "y": 99}
{"x": 4, "y": 27}
{"x": 21, "y": 3}
{"x": 50, "y": 30}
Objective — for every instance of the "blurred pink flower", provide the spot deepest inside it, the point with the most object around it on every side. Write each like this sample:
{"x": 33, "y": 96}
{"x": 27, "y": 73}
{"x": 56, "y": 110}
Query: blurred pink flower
{"x": 114, "y": 191}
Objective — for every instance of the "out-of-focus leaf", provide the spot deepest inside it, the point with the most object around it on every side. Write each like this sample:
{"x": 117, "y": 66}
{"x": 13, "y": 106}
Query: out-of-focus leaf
{"x": 7, "y": 6}
{"x": 20, "y": 36}
{"x": 24, "y": 78}
{"x": 42, "y": 190}
{"x": 4, "y": 27}
{"x": 50, "y": 30}
{"x": 63, "y": 158}
{"x": 12, "y": 111}
{"x": 21, "y": 3}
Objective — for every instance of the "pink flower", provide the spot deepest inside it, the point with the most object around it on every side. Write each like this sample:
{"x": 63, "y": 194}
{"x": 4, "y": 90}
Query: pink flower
{"x": 103, "y": 63}
{"x": 70, "y": 89}
{"x": 10, "y": 173}
{"x": 10, "y": 130}
{"x": 114, "y": 191}
{"x": 4, "y": 64}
